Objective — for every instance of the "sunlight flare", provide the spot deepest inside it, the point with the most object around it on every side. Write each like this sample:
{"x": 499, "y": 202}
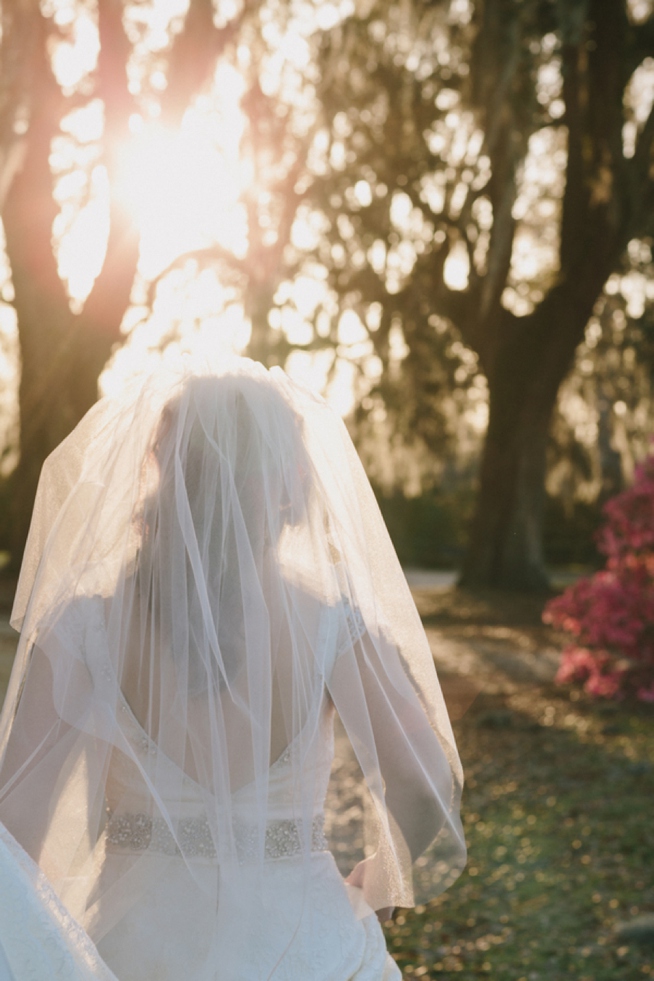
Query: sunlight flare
{"x": 183, "y": 193}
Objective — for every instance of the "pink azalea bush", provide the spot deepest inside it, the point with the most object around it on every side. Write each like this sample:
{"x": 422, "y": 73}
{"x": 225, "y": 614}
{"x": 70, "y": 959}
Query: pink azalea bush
{"x": 610, "y": 616}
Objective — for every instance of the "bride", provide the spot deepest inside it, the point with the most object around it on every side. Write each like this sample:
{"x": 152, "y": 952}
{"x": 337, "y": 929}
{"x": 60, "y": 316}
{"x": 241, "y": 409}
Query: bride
{"x": 206, "y": 584}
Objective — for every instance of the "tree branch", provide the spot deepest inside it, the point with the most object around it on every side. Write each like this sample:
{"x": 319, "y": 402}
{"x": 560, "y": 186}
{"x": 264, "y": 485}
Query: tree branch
{"x": 205, "y": 258}
{"x": 574, "y": 68}
{"x": 640, "y": 46}
{"x": 640, "y": 167}
{"x": 110, "y": 295}
{"x": 194, "y": 53}
{"x": 595, "y": 201}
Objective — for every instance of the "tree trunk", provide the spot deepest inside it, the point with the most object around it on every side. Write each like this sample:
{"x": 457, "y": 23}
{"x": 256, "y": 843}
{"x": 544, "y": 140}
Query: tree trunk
{"x": 527, "y": 358}
{"x": 41, "y": 303}
{"x": 529, "y": 363}
{"x": 505, "y": 547}
{"x": 62, "y": 353}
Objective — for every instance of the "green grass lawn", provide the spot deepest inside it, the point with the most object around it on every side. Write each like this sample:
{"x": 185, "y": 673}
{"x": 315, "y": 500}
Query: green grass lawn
{"x": 559, "y": 818}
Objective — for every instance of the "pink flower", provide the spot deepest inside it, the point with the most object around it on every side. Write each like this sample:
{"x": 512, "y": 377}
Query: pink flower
{"x": 610, "y": 616}
{"x": 576, "y": 665}
{"x": 604, "y": 685}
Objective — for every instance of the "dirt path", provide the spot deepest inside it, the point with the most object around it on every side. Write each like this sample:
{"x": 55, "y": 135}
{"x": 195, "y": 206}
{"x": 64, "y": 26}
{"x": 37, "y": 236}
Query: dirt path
{"x": 494, "y": 643}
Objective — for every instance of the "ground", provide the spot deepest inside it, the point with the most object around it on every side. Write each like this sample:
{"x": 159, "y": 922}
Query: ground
{"x": 556, "y": 812}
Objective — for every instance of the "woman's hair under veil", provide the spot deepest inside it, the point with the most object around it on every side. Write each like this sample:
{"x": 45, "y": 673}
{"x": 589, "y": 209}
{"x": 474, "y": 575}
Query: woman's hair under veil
{"x": 207, "y": 573}
{"x": 215, "y": 477}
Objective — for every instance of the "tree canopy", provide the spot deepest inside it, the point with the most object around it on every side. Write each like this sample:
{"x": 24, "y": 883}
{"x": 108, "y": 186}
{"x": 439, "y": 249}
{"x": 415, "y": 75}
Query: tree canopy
{"x": 449, "y": 196}
{"x": 490, "y": 167}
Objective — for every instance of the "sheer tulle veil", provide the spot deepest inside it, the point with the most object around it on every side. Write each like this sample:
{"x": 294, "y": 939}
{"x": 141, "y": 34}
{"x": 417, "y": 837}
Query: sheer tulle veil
{"x": 206, "y": 568}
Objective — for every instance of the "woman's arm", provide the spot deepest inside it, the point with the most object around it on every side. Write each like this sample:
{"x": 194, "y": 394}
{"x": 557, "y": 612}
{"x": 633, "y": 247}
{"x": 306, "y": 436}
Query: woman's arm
{"x": 409, "y": 754}
{"x": 398, "y": 728}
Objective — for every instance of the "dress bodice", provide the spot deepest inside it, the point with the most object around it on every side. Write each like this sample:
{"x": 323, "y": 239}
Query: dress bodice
{"x": 164, "y": 921}
{"x": 131, "y": 826}
{"x": 186, "y": 815}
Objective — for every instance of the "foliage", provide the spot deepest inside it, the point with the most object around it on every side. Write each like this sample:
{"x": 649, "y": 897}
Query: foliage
{"x": 428, "y": 531}
{"x": 67, "y": 128}
{"x": 477, "y": 193}
{"x": 569, "y": 532}
{"x": 46, "y": 93}
{"x": 611, "y": 615}
{"x": 603, "y": 421}
{"x": 449, "y": 183}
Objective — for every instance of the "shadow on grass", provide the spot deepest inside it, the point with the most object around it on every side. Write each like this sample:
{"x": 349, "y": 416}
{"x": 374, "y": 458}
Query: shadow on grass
{"x": 561, "y": 846}
{"x": 455, "y": 605}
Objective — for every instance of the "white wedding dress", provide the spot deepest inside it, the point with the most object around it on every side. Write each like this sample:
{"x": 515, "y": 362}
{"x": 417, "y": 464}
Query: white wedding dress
{"x": 39, "y": 939}
{"x": 207, "y": 581}
{"x": 326, "y": 932}
{"x": 169, "y": 935}
{"x": 331, "y": 934}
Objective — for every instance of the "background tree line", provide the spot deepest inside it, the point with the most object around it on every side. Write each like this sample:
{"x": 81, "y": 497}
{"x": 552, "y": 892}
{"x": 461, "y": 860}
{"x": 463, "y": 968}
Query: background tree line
{"x": 470, "y": 186}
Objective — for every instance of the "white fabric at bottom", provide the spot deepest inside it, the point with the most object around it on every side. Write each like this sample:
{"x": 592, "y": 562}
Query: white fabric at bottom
{"x": 168, "y": 936}
{"x": 39, "y": 939}
{"x": 301, "y": 924}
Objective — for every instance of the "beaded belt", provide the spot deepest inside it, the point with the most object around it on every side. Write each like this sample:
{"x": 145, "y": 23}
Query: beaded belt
{"x": 138, "y": 832}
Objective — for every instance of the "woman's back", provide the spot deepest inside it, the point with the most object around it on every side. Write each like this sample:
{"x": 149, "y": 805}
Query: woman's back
{"x": 207, "y": 578}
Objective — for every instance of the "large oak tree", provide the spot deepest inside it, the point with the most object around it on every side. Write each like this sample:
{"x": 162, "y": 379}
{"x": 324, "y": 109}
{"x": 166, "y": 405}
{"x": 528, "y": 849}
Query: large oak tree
{"x": 428, "y": 104}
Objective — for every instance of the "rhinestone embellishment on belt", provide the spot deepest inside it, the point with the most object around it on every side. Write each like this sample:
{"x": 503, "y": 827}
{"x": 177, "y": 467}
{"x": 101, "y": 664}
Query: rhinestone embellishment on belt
{"x": 138, "y": 832}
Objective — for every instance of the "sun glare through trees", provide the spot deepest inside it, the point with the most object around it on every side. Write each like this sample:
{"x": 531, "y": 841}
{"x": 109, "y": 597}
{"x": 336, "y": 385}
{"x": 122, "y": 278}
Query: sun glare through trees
{"x": 357, "y": 191}
{"x": 191, "y": 187}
